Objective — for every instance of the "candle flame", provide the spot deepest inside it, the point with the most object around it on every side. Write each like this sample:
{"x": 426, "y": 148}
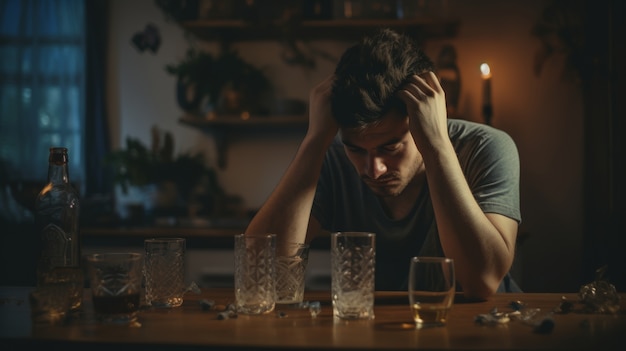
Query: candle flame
{"x": 485, "y": 70}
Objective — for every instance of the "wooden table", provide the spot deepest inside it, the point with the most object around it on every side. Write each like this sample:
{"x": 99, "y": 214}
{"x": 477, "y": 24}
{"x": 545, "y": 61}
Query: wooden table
{"x": 190, "y": 327}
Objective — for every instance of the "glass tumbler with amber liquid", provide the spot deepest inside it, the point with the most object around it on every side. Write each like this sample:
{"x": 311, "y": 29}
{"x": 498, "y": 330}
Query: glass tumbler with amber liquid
{"x": 431, "y": 290}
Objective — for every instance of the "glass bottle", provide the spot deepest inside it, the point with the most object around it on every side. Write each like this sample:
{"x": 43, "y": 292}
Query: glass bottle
{"x": 57, "y": 211}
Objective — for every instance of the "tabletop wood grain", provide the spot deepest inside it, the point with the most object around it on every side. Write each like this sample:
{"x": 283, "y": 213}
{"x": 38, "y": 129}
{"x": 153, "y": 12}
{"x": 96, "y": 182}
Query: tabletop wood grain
{"x": 190, "y": 327}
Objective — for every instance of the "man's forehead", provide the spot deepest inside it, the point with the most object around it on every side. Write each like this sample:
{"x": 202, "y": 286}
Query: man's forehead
{"x": 387, "y": 130}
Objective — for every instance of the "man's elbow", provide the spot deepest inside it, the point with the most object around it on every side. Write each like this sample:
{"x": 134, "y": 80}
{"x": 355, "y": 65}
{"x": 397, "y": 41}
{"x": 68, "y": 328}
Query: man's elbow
{"x": 480, "y": 289}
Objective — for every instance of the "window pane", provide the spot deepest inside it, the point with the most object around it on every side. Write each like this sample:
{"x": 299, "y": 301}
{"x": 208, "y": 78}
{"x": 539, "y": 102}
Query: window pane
{"x": 59, "y": 60}
{"x": 10, "y": 21}
{"x": 58, "y": 18}
{"x": 42, "y": 82}
{"x": 9, "y": 62}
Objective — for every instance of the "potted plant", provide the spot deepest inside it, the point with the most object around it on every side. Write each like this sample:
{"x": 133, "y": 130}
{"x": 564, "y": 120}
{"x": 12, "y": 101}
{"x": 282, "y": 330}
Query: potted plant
{"x": 227, "y": 82}
{"x": 158, "y": 180}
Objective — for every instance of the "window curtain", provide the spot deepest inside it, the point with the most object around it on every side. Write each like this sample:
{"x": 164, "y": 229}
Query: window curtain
{"x": 97, "y": 134}
{"x": 52, "y": 70}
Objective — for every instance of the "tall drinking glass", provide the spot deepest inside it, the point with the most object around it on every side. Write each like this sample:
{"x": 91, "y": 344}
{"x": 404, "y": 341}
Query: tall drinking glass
{"x": 255, "y": 274}
{"x": 291, "y": 262}
{"x": 164, "y": 271}
{"x": 353, "y": 264}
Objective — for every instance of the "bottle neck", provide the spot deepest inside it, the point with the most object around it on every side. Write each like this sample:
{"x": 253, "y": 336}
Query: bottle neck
{"x": 57, "y": 166}
{"x": 58, "y": 174}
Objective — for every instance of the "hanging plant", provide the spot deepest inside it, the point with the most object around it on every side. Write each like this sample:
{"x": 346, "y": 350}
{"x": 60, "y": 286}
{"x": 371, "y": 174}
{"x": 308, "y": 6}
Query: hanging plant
{"x": 212, "y": 77}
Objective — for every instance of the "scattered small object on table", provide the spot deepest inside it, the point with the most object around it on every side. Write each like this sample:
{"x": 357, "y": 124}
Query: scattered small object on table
{"x": 517, "y": 305}
{"x": 194, "y": 288}
{"x": 281, "y": 314}
{"x": 228, "y": 311}
{"x": 228, "y": 314}
{"x": 542, "y": 324}
{"x": 494, "y": 317}
{"x": 315, "y": 308}
{"x": 599, "y": 296}
{"x": 564, "y": 307}
{"x": 207, "y": 304}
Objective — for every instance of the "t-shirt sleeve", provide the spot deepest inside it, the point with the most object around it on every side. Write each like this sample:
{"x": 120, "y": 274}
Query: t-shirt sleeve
{"x": 492, "y": 169}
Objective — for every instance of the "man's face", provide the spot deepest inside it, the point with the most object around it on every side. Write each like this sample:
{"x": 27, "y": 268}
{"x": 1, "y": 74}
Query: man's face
{"x": 384, "y": 155}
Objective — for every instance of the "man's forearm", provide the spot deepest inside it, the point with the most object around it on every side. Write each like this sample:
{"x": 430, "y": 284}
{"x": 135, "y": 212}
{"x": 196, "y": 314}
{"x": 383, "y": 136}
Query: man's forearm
{"x": 287, "y": 210}
{"x": 482, "y": 251}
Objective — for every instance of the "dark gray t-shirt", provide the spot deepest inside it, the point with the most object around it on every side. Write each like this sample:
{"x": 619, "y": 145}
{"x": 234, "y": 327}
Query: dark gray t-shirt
{"x": 490, "y": 162}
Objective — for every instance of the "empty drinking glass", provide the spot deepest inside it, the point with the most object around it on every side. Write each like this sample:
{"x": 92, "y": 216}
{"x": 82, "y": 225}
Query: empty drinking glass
{"x": 255, "y": 274}
{"x": 164, "y": 271}
{"x": 291, "y": 262}
{"x": 353, "y": 263}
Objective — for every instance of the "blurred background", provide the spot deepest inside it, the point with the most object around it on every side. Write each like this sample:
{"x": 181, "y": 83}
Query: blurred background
{"x": 181, "y": 116}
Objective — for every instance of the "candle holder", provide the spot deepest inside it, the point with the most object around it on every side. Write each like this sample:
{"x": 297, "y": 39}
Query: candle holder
{"x": 487, "y": 107}
{"x": 487, "y": 114}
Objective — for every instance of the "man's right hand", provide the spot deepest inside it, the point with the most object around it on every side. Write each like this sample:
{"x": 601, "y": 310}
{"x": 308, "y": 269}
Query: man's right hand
{"x": 322, "y": 124}
{"x": 426, "y": 106}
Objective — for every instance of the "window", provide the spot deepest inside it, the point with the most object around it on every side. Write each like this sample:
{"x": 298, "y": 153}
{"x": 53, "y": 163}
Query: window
{"x": 42, "y": 86}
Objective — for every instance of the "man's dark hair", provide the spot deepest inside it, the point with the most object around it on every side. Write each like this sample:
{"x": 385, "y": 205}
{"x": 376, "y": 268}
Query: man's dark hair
{"x": 370, "y": 73}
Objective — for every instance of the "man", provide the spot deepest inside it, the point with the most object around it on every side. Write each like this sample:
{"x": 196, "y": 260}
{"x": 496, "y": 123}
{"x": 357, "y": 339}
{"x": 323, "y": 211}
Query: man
{"x": 380, "y": 155}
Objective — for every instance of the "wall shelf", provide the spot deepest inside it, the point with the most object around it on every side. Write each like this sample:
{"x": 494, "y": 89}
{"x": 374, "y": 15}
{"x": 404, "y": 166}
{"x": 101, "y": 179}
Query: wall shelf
{"x": 339, "y": 29}
{"x": 224, "y": 128}
{"x": 228, "y": 122}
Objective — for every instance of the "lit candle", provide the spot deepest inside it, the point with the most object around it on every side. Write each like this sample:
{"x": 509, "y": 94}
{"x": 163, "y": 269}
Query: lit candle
{"x": 487, "y": 108}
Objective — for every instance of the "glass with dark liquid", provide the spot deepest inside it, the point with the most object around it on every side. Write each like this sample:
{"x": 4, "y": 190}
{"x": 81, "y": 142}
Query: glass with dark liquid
{"x": 115, "y": 280}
